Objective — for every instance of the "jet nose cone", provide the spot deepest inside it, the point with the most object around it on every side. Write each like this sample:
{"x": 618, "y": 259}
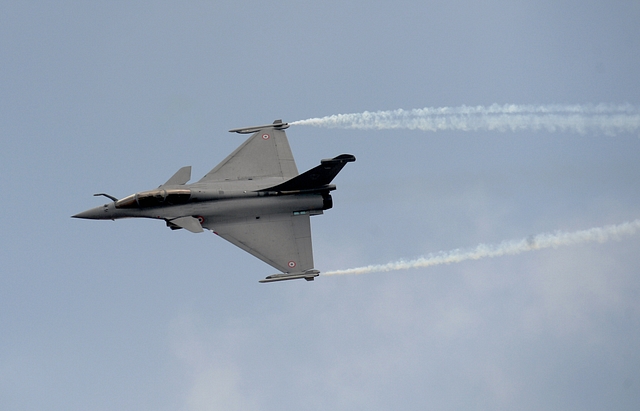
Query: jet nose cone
{"x": 95, "y": 213}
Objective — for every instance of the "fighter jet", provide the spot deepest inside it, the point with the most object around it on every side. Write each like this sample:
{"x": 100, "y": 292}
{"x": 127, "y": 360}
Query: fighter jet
{"x": 254, "y": 198}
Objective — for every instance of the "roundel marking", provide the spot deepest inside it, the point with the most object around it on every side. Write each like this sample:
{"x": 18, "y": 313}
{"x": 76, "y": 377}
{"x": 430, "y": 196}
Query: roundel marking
{"x": 291, "y": 264}
{"x": 200, "y": 219}
{"x": 265, "y": 136}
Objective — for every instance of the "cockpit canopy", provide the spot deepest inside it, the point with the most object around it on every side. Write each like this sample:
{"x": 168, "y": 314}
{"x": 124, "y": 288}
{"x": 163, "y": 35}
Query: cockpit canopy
{"x": 155, "y": 198}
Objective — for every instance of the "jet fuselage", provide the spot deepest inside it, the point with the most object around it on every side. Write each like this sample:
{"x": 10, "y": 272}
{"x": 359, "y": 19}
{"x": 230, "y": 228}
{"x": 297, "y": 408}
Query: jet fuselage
{"x": 211, "y": 202}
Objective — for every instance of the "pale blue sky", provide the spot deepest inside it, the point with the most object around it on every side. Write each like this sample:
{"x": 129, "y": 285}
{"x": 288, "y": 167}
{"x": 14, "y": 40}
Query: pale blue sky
{"x": 129, "y": 315}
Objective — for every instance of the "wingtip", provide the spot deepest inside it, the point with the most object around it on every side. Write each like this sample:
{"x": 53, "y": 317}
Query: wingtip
{"x": 277, "y": 124}
{"x": 308, "y": 275}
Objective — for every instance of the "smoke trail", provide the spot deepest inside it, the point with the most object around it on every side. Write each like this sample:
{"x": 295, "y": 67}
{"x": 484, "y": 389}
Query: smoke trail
{"x": 607, "y": 118}
{"x": 540, "y": 241}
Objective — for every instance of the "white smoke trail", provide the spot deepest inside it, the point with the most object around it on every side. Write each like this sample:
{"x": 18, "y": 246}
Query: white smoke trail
{"x": 607, "y": 118}
{"x": 540, "y": 241}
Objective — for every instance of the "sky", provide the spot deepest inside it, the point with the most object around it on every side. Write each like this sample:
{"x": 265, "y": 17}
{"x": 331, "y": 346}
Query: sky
{"x": 115, "y": 97}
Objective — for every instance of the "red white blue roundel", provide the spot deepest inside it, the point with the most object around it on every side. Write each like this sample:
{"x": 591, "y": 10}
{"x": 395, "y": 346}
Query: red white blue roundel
{"x": 291, "y": 264}
{"x": 265, "y": 136}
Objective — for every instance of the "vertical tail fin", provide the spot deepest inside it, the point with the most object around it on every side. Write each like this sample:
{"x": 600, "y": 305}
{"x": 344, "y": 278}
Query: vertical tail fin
{"x": 316, "y": 178}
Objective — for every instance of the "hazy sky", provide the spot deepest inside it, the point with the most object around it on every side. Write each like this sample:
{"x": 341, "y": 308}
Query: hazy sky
{"x": 129, "y": 315}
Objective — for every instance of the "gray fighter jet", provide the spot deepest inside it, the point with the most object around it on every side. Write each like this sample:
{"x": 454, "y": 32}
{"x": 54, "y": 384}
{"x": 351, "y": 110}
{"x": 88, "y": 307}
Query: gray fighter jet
{"x": 254, "y": 199}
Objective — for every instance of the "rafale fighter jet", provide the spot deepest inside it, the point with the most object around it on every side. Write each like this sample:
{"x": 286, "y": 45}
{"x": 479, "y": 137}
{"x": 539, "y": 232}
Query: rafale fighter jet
{"x": 254, "y": 199}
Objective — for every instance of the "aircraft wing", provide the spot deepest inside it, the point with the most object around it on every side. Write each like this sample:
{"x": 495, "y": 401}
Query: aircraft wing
{"x": 280, "y": 240}
{"x": 265, "y": 154}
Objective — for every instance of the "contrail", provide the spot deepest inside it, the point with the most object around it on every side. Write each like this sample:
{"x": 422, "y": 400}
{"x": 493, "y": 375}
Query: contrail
{"x": 540, "y": 241}
{"x": 607, "y": 118}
